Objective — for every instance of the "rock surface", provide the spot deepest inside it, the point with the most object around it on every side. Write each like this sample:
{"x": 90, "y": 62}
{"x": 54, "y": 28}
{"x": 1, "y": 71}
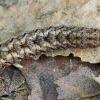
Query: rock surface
{"x": 19, "y": 16}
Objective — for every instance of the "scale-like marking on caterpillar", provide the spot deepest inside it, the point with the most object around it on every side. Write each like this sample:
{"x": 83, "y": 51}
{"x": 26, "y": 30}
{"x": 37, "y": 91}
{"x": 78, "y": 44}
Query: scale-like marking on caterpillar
{"x": 37, "y": 42}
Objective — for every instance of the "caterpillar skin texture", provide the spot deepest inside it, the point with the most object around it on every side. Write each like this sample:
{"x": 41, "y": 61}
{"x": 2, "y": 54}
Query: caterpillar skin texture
{"x": 37, "y": 42}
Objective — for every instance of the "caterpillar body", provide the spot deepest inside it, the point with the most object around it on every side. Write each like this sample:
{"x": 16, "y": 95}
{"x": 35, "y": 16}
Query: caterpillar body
{"x": 40, "y": 41}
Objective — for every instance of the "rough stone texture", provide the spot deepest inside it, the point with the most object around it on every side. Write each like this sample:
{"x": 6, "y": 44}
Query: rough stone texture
{"x": 19, "y": 16}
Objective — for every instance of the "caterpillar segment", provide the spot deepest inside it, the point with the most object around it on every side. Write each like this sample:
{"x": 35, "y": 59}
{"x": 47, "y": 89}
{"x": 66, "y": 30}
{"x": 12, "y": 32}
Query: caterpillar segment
{"x": 40, "y": 41}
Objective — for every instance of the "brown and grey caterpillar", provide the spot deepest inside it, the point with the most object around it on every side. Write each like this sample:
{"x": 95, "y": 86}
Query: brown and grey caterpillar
{"x": 40, "y": 41}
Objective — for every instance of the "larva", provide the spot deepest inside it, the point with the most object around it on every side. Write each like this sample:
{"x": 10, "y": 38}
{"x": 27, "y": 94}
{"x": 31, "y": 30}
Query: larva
{"x": 39, "y": 41}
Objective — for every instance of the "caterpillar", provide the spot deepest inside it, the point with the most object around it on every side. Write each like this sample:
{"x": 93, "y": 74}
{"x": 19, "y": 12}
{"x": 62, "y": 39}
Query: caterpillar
{"x": 40, "y": 41}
